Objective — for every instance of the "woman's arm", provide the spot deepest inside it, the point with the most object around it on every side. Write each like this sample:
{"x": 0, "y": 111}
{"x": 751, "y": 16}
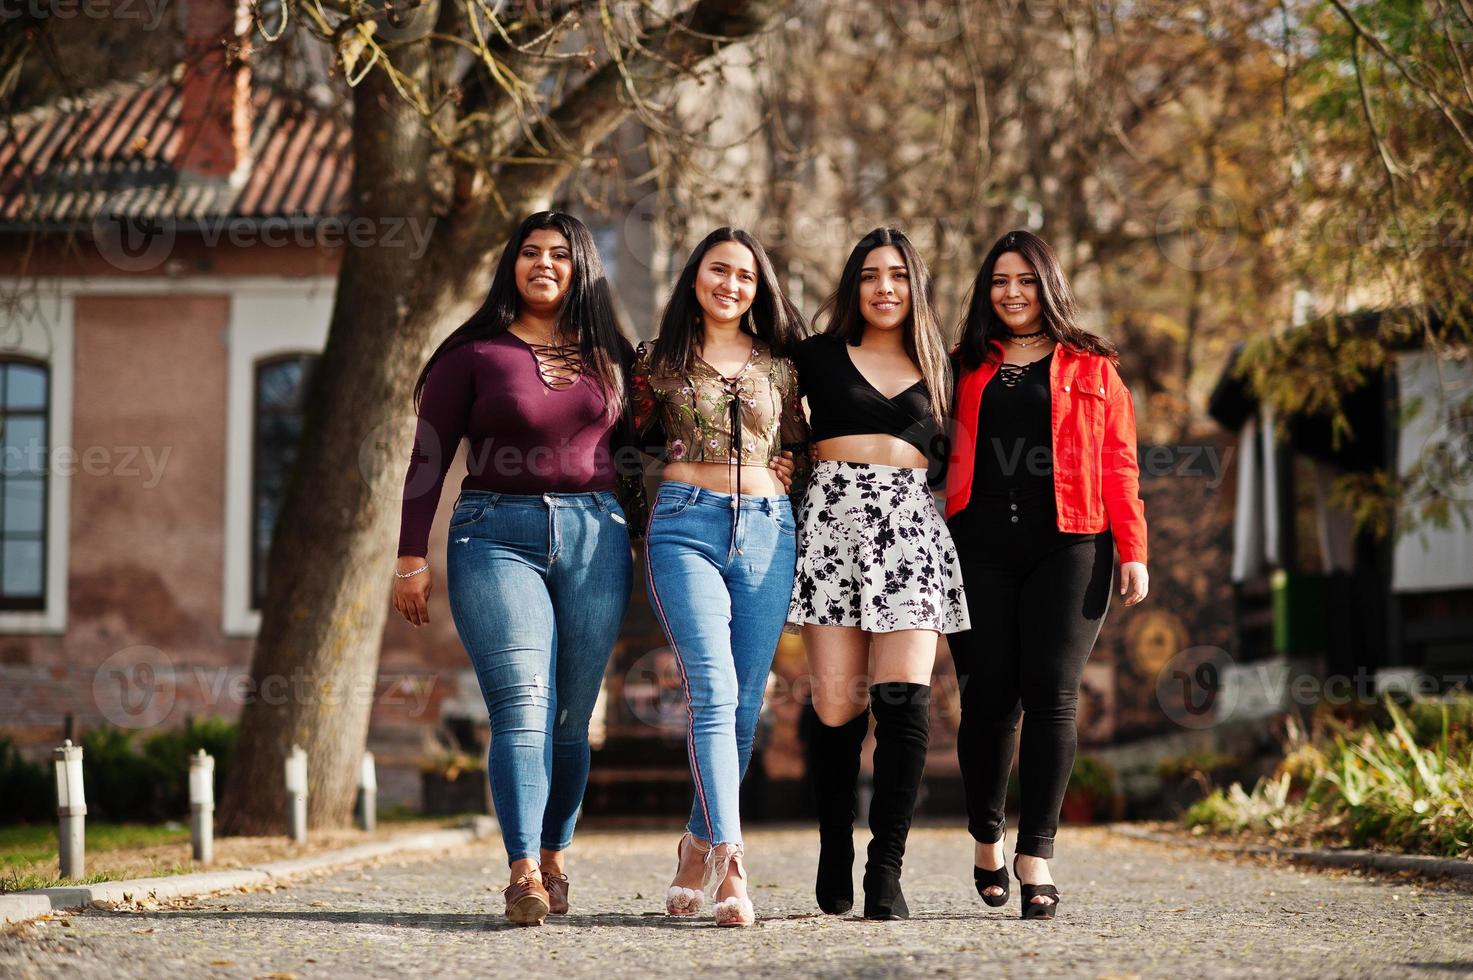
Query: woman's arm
{"x": 793, "y": 431}
{"x": 1120, "y": 480}
{"x": 444, "y": 406}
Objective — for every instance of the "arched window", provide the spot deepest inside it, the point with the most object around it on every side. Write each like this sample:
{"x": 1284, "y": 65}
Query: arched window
{"x": 280, "y": 396}
{"x": 25, "y": 448}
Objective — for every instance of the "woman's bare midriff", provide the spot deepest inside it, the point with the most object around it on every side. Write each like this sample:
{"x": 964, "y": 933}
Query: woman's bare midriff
{"x": 757, "y": 481}
{"x": 874, "y": 448}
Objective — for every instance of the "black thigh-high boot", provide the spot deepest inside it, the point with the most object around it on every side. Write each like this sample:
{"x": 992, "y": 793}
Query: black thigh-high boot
{"x": 833, "y": 771}
{"x": 902, "y": 733}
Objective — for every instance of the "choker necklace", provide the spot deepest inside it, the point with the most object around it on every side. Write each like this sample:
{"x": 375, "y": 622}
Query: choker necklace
{"x": 1027, "y": 339}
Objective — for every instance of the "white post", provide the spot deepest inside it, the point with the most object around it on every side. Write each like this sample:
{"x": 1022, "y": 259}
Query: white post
{"x": 71, "y": 810}
{"x": 202, "y": 806}
{"x": 296, "y": 794}
{"x": 367, "y": 793}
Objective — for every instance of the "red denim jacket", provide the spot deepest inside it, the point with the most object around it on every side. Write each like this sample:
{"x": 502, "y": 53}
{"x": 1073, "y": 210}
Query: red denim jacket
{"x": 1096, "y": 474}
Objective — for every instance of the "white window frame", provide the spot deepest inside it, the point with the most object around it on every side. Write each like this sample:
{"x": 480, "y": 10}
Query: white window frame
{"x": 44, "y": 330}
{"x": 265, "y": 322}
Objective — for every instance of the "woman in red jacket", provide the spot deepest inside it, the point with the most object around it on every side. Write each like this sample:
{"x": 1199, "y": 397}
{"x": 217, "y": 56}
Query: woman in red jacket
{"x": 1043, "y": 486}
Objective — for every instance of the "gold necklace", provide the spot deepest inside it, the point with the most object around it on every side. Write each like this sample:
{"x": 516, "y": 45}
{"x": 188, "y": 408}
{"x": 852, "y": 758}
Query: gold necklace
{"x": 1029, "y": 340}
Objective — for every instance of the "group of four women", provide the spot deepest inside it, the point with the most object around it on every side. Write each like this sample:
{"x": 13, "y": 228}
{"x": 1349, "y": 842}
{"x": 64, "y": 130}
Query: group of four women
{"x": 1039, "y": 465}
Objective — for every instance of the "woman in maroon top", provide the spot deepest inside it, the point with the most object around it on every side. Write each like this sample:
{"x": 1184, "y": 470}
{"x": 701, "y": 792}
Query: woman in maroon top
{"x": 538, "y": 564}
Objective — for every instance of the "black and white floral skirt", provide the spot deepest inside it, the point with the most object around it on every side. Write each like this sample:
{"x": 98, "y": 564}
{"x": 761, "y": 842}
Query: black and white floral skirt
{"x": 874, "y": 552}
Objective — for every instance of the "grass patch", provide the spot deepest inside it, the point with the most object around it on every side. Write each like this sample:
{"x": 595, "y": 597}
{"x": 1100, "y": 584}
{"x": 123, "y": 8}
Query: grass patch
{"x": 27, "y": 845}
{"x": 1400, "y": 779}
{"x": 24, "y": 881}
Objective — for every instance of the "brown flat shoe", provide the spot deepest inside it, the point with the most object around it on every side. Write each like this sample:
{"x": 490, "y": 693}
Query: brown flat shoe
{"x": 557, "y": 892}
{"x": 526, "y": 900}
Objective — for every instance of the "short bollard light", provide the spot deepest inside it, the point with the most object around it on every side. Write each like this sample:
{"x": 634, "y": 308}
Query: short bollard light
{"x": 296, "y": 794}
{"x": 367, "y": 793}
{"x": 71, "y": 810}
{"x": 202, "y": 806}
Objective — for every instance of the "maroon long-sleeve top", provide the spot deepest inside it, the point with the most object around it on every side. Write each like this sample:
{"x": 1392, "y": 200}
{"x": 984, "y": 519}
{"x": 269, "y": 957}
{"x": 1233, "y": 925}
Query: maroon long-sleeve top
{"x": 525, "y": 437}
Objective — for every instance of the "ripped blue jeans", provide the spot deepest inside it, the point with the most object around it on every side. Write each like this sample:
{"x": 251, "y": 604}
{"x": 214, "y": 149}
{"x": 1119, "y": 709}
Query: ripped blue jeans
{"x": 538, "y": 586}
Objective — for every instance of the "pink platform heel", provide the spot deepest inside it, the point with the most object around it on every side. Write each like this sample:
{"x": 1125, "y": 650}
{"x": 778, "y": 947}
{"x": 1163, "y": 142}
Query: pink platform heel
{"x": 685, "y": 901}
{"x": 733, "y": 911}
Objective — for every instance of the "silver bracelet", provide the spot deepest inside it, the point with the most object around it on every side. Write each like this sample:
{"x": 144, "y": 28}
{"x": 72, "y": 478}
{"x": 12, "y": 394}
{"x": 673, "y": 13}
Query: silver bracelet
{"x": 423, "y": 568}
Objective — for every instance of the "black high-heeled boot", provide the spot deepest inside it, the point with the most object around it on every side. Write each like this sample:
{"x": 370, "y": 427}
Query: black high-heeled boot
{"x": 902, "y": 733}
{"x": 833, "y": 772}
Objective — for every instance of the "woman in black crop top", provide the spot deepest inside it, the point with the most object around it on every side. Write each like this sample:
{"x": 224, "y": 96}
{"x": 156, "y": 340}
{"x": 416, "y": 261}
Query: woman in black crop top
{"x": 877, "y": 573}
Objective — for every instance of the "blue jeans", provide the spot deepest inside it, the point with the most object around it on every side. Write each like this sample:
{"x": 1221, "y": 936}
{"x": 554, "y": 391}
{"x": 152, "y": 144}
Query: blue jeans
{"x": 538, "y": 588}
{"x": 722, "y": 599}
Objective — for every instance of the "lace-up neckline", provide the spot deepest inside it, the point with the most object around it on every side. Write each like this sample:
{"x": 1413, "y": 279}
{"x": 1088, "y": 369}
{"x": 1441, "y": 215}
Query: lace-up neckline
{"x": 558, "y": 365}
{"x": 1012, "y": 374}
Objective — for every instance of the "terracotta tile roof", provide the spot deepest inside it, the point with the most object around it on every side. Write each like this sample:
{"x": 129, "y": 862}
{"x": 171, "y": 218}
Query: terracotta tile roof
{"x": 113, "y": 153}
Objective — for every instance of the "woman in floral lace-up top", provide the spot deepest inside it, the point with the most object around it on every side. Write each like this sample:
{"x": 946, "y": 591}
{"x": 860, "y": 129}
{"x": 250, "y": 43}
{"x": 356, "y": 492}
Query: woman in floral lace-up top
{"x": 717, "y": 398}
{"x": 689, "y": 413}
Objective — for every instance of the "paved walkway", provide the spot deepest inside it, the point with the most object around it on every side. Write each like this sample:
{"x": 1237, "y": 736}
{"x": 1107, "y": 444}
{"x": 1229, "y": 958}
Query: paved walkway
{"x": 1130, "y": 909}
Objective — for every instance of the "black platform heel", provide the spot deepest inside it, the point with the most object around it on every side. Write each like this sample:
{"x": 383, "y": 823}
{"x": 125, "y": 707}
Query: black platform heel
{"x": 1032, "y": 909}
{"x": 996, "y": 878}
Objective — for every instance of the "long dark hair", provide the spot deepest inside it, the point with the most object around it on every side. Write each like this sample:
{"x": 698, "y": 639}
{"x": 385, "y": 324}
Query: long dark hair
{"x": 772, "y": 317}
{"x": 923, "y": 339}
{"x": 587, "y": 311}
{"x": 982, "y": 326}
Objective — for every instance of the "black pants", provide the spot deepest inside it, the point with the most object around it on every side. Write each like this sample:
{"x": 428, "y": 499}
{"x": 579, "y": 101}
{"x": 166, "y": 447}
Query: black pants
{"x": 1037, "y": 598}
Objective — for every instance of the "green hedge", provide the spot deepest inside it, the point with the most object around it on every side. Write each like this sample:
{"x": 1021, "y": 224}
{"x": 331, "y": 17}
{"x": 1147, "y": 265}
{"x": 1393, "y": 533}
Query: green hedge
{"x": 126, "y": 781}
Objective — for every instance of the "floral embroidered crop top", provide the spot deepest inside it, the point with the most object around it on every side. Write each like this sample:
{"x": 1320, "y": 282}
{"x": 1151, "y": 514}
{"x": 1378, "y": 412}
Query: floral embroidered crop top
{"x": 702, "y": 416}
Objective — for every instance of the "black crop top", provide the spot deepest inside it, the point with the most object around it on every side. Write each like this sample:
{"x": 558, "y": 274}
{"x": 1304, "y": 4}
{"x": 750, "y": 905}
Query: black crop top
{"x": 842, "y": 402}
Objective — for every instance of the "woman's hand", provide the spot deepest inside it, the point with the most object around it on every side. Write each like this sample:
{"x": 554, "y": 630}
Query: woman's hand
{"x": 782, "y": 466}
{"x": 412, "y": 595}
{"x": 1135, "y": 581}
